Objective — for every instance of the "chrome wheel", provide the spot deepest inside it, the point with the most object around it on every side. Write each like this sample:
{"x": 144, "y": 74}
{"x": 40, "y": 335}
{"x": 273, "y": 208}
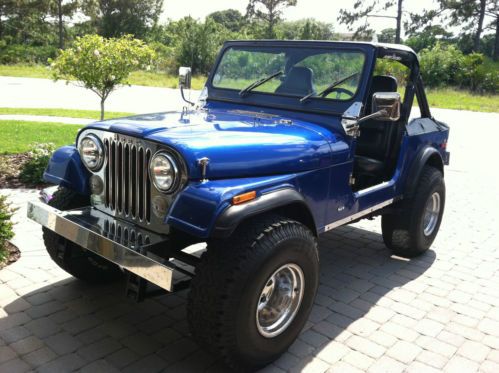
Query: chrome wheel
{"x": 280, "y": 300}
{"x": 431, "y": 214}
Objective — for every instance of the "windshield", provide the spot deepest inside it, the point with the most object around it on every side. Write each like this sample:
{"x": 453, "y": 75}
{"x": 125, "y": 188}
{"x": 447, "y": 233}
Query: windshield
{"x": 310, "y": 72}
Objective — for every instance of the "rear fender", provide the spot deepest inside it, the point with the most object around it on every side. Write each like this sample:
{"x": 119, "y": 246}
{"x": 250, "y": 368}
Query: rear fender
{"x": 66, "y": 169}
{"x": 428, "y": 155}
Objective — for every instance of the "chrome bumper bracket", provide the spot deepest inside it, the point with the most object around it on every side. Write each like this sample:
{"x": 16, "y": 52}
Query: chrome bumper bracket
{"x": 123, "y": 244}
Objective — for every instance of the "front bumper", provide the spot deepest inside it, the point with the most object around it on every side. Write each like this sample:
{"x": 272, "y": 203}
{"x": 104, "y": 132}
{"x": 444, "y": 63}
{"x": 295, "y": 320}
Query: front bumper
{"x": 123, "y": 244}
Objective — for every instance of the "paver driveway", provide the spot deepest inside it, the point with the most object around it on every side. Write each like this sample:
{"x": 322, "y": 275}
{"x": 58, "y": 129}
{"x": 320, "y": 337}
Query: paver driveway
{"x": 373, "y": 312}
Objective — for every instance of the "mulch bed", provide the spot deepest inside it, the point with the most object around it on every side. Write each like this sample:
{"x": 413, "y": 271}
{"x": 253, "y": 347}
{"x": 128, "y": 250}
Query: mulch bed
{"x": 10, "y": 168}
{"x": 13, "y": 254}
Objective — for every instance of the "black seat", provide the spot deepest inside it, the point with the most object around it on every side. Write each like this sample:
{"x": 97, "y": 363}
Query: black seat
{"x": 298, "y": 81}
{"x": 375, "y": 137}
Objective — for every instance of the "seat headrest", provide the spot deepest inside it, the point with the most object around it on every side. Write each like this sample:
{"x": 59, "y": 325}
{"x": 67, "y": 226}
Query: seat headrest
{"x": 383, "y": 83}
{"x": 299, "y": 81}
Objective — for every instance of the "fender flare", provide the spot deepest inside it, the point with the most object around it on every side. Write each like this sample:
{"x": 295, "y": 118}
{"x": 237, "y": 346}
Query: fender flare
{"x": 233, "y": 215}
{"x": 66, "y": 169}
{"x": 427, "y": 155}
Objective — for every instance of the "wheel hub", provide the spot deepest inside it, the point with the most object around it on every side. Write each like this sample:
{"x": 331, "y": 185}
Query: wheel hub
{"x": 280, "y": 300}
{"x": 431, "y": 214}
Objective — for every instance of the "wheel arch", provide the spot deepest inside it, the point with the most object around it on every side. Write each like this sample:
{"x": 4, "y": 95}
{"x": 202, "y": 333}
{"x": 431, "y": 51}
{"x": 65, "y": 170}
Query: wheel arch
{"x": 288, "y": 203}
{"x": 428, "y": 156}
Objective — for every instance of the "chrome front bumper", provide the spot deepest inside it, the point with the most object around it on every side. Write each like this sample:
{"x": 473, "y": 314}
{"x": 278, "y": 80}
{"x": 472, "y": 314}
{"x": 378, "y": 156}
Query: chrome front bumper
{"x": 121, "y": 243}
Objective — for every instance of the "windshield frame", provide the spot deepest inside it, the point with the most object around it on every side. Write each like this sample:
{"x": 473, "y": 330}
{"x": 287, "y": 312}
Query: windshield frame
{"x": 292, "y": 102}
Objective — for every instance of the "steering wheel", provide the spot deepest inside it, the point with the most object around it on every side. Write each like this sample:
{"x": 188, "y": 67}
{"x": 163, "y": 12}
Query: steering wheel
{"x": 338, "y": 91}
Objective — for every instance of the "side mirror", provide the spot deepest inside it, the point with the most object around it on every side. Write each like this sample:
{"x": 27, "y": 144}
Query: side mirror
{"x": 184, "y": 77}
{"x": 388, "y": 103}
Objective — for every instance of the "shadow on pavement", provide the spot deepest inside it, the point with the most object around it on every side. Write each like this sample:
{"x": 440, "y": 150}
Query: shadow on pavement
{"x": 97, "y": 328}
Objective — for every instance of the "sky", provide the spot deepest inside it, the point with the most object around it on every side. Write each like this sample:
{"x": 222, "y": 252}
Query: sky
{"x": 322, "y": 10}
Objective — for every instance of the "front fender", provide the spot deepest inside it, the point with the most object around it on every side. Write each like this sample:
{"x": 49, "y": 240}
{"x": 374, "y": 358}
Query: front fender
{"x": 66, "y": 169}
{"x": 204, "y": 209}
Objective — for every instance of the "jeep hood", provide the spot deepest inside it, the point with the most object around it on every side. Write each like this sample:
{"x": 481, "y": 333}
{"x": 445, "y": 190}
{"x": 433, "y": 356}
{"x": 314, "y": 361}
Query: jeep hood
{"x": 237, "y": 143}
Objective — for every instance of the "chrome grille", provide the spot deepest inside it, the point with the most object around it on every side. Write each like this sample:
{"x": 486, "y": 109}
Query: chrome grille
{"x": 127, "y": 182}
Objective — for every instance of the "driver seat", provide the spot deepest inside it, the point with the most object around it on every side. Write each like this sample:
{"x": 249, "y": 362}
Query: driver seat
{"x": 298, "y": 81}
{"x": 374, "y": 140}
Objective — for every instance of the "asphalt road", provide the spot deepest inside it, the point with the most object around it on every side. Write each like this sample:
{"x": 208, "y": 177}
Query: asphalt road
{"x": 45, "y": 93}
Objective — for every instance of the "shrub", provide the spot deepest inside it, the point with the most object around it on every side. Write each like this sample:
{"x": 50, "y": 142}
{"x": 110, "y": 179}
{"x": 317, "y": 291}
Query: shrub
{"x": 18, "y": 53}
{"x": 478, "y": 75}
{"x": 39, "y": 156}
{"x": 441, "y": 65}
{"x": 6, "y": 232}
{"x": 447, "y": 65}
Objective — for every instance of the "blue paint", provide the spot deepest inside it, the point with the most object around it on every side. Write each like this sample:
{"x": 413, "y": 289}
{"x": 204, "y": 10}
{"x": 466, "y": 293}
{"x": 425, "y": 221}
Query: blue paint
{"x": 66, "y": 169}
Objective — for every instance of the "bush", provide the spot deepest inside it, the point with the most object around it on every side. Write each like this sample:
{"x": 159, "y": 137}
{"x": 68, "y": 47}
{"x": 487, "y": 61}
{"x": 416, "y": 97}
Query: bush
{"x": 6, "y": 232}
{"x": 479, "y": 75}
{"x": 447, "y": 65}
{"x": 18, "y": 53}
{"x": 441, "y": 65}
{"x": 39, "y": 156}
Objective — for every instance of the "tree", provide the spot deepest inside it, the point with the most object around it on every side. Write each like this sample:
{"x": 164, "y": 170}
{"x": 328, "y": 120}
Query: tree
{"x": 469, "y": 14}
{"x": 363, "y": 10}
{"x": 387, "y": 35}
{"x": 231, "y": 19}
{"x": 115, "y": 18}
{"x": 101, "y": 64}
{"x": 61, "y": 9}
{"x": 428, "y": 37}
{"x": 305, "y": 29}
{"x": 269, "y": 12}
{"x": 197, "y": 43}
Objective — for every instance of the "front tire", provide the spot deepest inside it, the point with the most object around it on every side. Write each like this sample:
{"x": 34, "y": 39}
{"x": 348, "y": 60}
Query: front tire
{"x": 74, "y": 259}
{"x": 253, "y": 292}
{"x": 411, "y": 232}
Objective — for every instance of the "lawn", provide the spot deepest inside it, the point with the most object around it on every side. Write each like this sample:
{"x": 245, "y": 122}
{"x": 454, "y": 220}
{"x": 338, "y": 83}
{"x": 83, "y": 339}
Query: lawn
{"x": 18, "y": 135}
{"x": 146, "y": 78}
{"x": 447, "y": 98}
{"x": 70, "y": 113}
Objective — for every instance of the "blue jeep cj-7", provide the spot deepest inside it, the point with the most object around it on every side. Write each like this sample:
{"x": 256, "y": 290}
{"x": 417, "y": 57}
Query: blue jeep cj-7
{"x": 289, "y": 139}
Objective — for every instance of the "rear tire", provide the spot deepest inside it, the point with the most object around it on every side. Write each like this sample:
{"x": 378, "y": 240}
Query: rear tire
{"x": 74, "y": 259}
{"x": 231, "y": 309}
{"x": 411, "y": 232}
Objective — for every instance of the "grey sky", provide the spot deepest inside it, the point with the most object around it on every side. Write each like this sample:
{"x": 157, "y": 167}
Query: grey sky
{"x": 323, "y": 10}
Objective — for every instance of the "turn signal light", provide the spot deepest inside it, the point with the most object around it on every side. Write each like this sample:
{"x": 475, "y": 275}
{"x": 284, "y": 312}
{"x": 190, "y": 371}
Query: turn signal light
{"x": 245, "y": 197}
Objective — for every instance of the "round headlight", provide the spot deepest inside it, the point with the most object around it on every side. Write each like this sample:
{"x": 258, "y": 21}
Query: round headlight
{"x": 92, "y": 152}
{"x": 163, "y": 171}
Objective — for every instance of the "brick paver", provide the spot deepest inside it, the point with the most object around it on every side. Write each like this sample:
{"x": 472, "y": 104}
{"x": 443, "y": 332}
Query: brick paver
{"x": 373, "y": 312}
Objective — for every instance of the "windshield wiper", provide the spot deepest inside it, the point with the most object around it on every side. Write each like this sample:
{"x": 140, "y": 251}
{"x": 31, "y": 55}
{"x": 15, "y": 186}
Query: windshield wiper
{"x": 328, "y": 89}
{"x": 243, "y": 92}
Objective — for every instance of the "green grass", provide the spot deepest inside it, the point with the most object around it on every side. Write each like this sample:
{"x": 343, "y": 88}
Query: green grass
{"x": 70, "y": 113}
{"x": 18, "y": 135}
{"x": 448, "y": 98}
{"x": 146, "y": 78}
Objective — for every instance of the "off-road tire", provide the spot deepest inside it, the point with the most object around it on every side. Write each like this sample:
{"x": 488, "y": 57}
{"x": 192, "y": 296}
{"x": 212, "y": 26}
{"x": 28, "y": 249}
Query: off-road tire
{"x": 72, "y": 258}
{"x": 403, "y": 232}
{"x": 221, "y": 306}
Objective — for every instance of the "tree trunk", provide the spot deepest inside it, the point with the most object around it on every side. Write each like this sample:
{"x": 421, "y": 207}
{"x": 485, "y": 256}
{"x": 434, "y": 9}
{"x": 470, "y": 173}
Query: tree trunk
{"x": 399, "y": 22}
{"x": 496, "y": 44}
{"x": 1, "y": 26}
{"x": 61, "y": 25}
{"x": 102, "y": 101}
{"x": 479, "y": 29}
